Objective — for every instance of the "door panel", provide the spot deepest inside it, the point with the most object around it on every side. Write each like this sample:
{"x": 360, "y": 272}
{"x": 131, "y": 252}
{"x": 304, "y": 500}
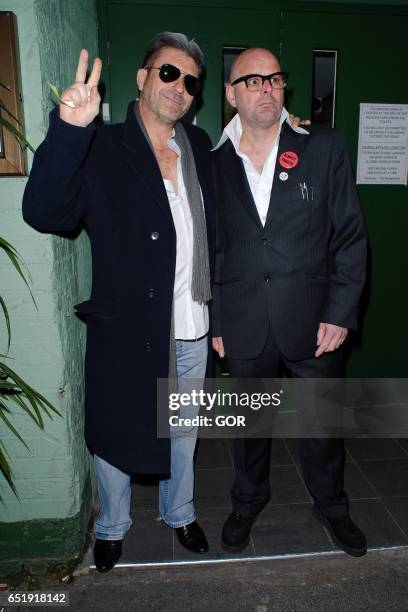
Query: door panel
{"x": 370, "y": 68}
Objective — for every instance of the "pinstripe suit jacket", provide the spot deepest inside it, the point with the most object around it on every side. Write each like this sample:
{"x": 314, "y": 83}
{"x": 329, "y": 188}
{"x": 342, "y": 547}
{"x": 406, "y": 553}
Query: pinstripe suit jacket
{"x": 306, "y": 265}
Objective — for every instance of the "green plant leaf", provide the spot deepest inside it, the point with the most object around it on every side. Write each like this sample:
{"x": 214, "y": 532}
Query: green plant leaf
{"x": 5, "y": 469}
{"x": 10, "y": 424}
{"x": 56, "y": 94}
{"x": 7, "y": 318}
{"x": 7, "y": 386}
{"x": 36, "y": 400}
{"x": 13, "y": 389}
{"x": 15, "y": 257}
{"x": 17, "y": 262}
{"x": 18, "y": 398}
{"x": 35, "y": 413}
{"x": 54, "y": 91}
{"x": 16, "y": 133}
{"x": 4, "y": 107}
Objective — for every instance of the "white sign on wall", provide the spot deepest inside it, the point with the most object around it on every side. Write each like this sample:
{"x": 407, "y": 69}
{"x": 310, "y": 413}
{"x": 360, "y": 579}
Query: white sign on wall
{"x": 383, "y": 144}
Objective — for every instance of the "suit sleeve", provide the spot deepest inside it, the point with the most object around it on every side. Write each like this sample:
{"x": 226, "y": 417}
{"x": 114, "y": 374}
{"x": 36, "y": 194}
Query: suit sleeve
{"x": 54, "y": 198}
{"x": 348, "y": 245}
{"x": 215, "y": 306}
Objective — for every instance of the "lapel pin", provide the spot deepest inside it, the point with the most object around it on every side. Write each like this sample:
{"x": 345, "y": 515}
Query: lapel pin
{"x": 288, "y": 159}
{"x": 283, "y": 176}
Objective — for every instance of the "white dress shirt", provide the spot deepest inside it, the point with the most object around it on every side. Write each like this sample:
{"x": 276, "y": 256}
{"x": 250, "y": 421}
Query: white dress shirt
{"x": 190, "y": 318}
{"x": 259, "y": 182}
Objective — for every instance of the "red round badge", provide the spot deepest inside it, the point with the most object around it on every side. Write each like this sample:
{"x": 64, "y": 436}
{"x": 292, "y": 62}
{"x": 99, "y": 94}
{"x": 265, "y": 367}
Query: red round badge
{"x": 288, "y": 159}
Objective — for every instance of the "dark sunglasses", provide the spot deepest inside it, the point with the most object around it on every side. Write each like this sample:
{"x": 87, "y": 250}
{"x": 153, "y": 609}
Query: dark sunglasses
{"x": 169, "y": 73}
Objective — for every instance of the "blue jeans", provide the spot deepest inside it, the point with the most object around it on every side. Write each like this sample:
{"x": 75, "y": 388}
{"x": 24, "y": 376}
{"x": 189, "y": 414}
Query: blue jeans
{"x": 176, "y": 493}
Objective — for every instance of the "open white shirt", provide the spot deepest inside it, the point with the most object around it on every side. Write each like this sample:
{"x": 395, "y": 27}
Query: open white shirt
{"x": 190, "y": 318}
{"x": 259, "y": 182}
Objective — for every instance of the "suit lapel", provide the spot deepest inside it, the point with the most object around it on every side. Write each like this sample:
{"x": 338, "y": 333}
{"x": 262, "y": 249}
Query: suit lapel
{"x": 235, "y": 173}
{"x": 139, "y": 156}
{"x": 289, "y": 141}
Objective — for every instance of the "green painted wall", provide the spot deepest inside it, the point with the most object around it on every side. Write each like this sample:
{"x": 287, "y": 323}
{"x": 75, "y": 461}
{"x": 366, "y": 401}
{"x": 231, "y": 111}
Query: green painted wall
{"x": 53, "y": 480}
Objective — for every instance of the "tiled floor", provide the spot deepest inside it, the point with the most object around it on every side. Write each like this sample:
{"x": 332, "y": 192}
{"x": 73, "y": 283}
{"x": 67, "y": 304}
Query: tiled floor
{"x": 376, "y": 479}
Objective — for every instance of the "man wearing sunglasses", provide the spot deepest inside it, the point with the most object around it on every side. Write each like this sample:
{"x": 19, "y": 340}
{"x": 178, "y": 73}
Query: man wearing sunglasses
{"x": 290, "y": 268}
{"x": 143, "y": 190}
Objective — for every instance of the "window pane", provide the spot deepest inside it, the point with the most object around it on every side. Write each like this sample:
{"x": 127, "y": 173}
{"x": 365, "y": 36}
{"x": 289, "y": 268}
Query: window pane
{"x": 228, "y": 56}
{"x": 324, "y": 86}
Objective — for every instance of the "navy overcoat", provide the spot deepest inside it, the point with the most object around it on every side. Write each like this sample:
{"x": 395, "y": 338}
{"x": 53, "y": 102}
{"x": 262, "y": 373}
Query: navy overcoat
{"x": 107, "y": 178}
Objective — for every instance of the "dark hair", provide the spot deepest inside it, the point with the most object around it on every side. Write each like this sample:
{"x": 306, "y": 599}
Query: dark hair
{"x": 175, "y": 40}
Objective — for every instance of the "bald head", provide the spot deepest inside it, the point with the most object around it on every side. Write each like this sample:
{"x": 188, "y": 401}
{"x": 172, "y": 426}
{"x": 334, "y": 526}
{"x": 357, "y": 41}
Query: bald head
{"x": 256, "y": 57}
{"x": 258, "y": 108}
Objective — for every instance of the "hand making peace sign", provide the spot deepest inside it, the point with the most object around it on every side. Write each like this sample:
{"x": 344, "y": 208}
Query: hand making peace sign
{"x": 79, "y": 103}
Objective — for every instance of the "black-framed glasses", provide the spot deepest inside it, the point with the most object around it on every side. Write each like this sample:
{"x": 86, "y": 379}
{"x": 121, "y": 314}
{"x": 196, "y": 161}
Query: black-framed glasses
{"x": 255, "y": 82}
{"x": 169, "y": 73}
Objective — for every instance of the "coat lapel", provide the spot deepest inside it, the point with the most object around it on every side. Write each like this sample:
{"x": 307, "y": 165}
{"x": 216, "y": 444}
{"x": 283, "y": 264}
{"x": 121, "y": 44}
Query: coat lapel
{"x": 236, "y": 175}
{"x": 140, "y": 157}
{"x": 289, "y": 141}
{"x": 204, "y": 178}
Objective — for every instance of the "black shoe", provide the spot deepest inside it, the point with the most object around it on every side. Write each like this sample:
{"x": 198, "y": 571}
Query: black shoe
{"x": 106, "y": 554}
{"x": 236, "y": 532}
{"x": 192, "y": 537}
{"x": 344, "y": 533}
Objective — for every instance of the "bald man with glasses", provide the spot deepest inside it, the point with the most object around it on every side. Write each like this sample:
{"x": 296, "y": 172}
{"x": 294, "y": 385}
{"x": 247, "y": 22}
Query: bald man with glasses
{"x": 290, "y": 268}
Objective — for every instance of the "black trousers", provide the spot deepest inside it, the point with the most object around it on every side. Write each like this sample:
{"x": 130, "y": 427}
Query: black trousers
{"x": 322, "y": 458}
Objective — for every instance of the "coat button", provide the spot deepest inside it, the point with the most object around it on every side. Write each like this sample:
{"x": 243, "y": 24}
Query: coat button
{"x": 151, "y": 293}
{"x": 148, "y": 347}
{"x": 154, "y": 235}
{"x": 264, "y": 239}
{"x": 267, "y": 278}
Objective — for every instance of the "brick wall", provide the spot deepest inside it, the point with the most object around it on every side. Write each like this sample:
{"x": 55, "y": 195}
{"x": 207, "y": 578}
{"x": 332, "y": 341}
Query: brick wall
{"x": 48, "y": 343}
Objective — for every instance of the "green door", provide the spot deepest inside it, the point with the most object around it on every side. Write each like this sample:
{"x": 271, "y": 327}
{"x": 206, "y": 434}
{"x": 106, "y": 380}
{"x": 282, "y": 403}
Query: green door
{"x": 370, "y": 68}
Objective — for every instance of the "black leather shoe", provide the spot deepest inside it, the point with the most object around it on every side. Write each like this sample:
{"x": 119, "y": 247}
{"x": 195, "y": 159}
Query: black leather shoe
{"x": 345, "y": 534}
{"x": 106, "y": 554}
{"x": 236, "y": 532}
{"x": 192, "y": 537}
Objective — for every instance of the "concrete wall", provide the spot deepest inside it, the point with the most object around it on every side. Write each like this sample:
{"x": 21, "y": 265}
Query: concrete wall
{"x": 47, "y": 523}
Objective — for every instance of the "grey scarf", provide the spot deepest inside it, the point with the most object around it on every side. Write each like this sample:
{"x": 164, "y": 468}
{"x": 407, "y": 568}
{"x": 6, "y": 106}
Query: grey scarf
{"x": 200, "y": 286}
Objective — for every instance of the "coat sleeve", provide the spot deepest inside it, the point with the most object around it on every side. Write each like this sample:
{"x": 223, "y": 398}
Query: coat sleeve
{"x": 348, "y": 244}
{"x": 54, "y": 197}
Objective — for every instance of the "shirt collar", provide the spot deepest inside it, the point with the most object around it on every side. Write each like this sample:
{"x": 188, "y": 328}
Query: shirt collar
{"x": 172, "y": 144}
{"x": 233, "y": 130}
